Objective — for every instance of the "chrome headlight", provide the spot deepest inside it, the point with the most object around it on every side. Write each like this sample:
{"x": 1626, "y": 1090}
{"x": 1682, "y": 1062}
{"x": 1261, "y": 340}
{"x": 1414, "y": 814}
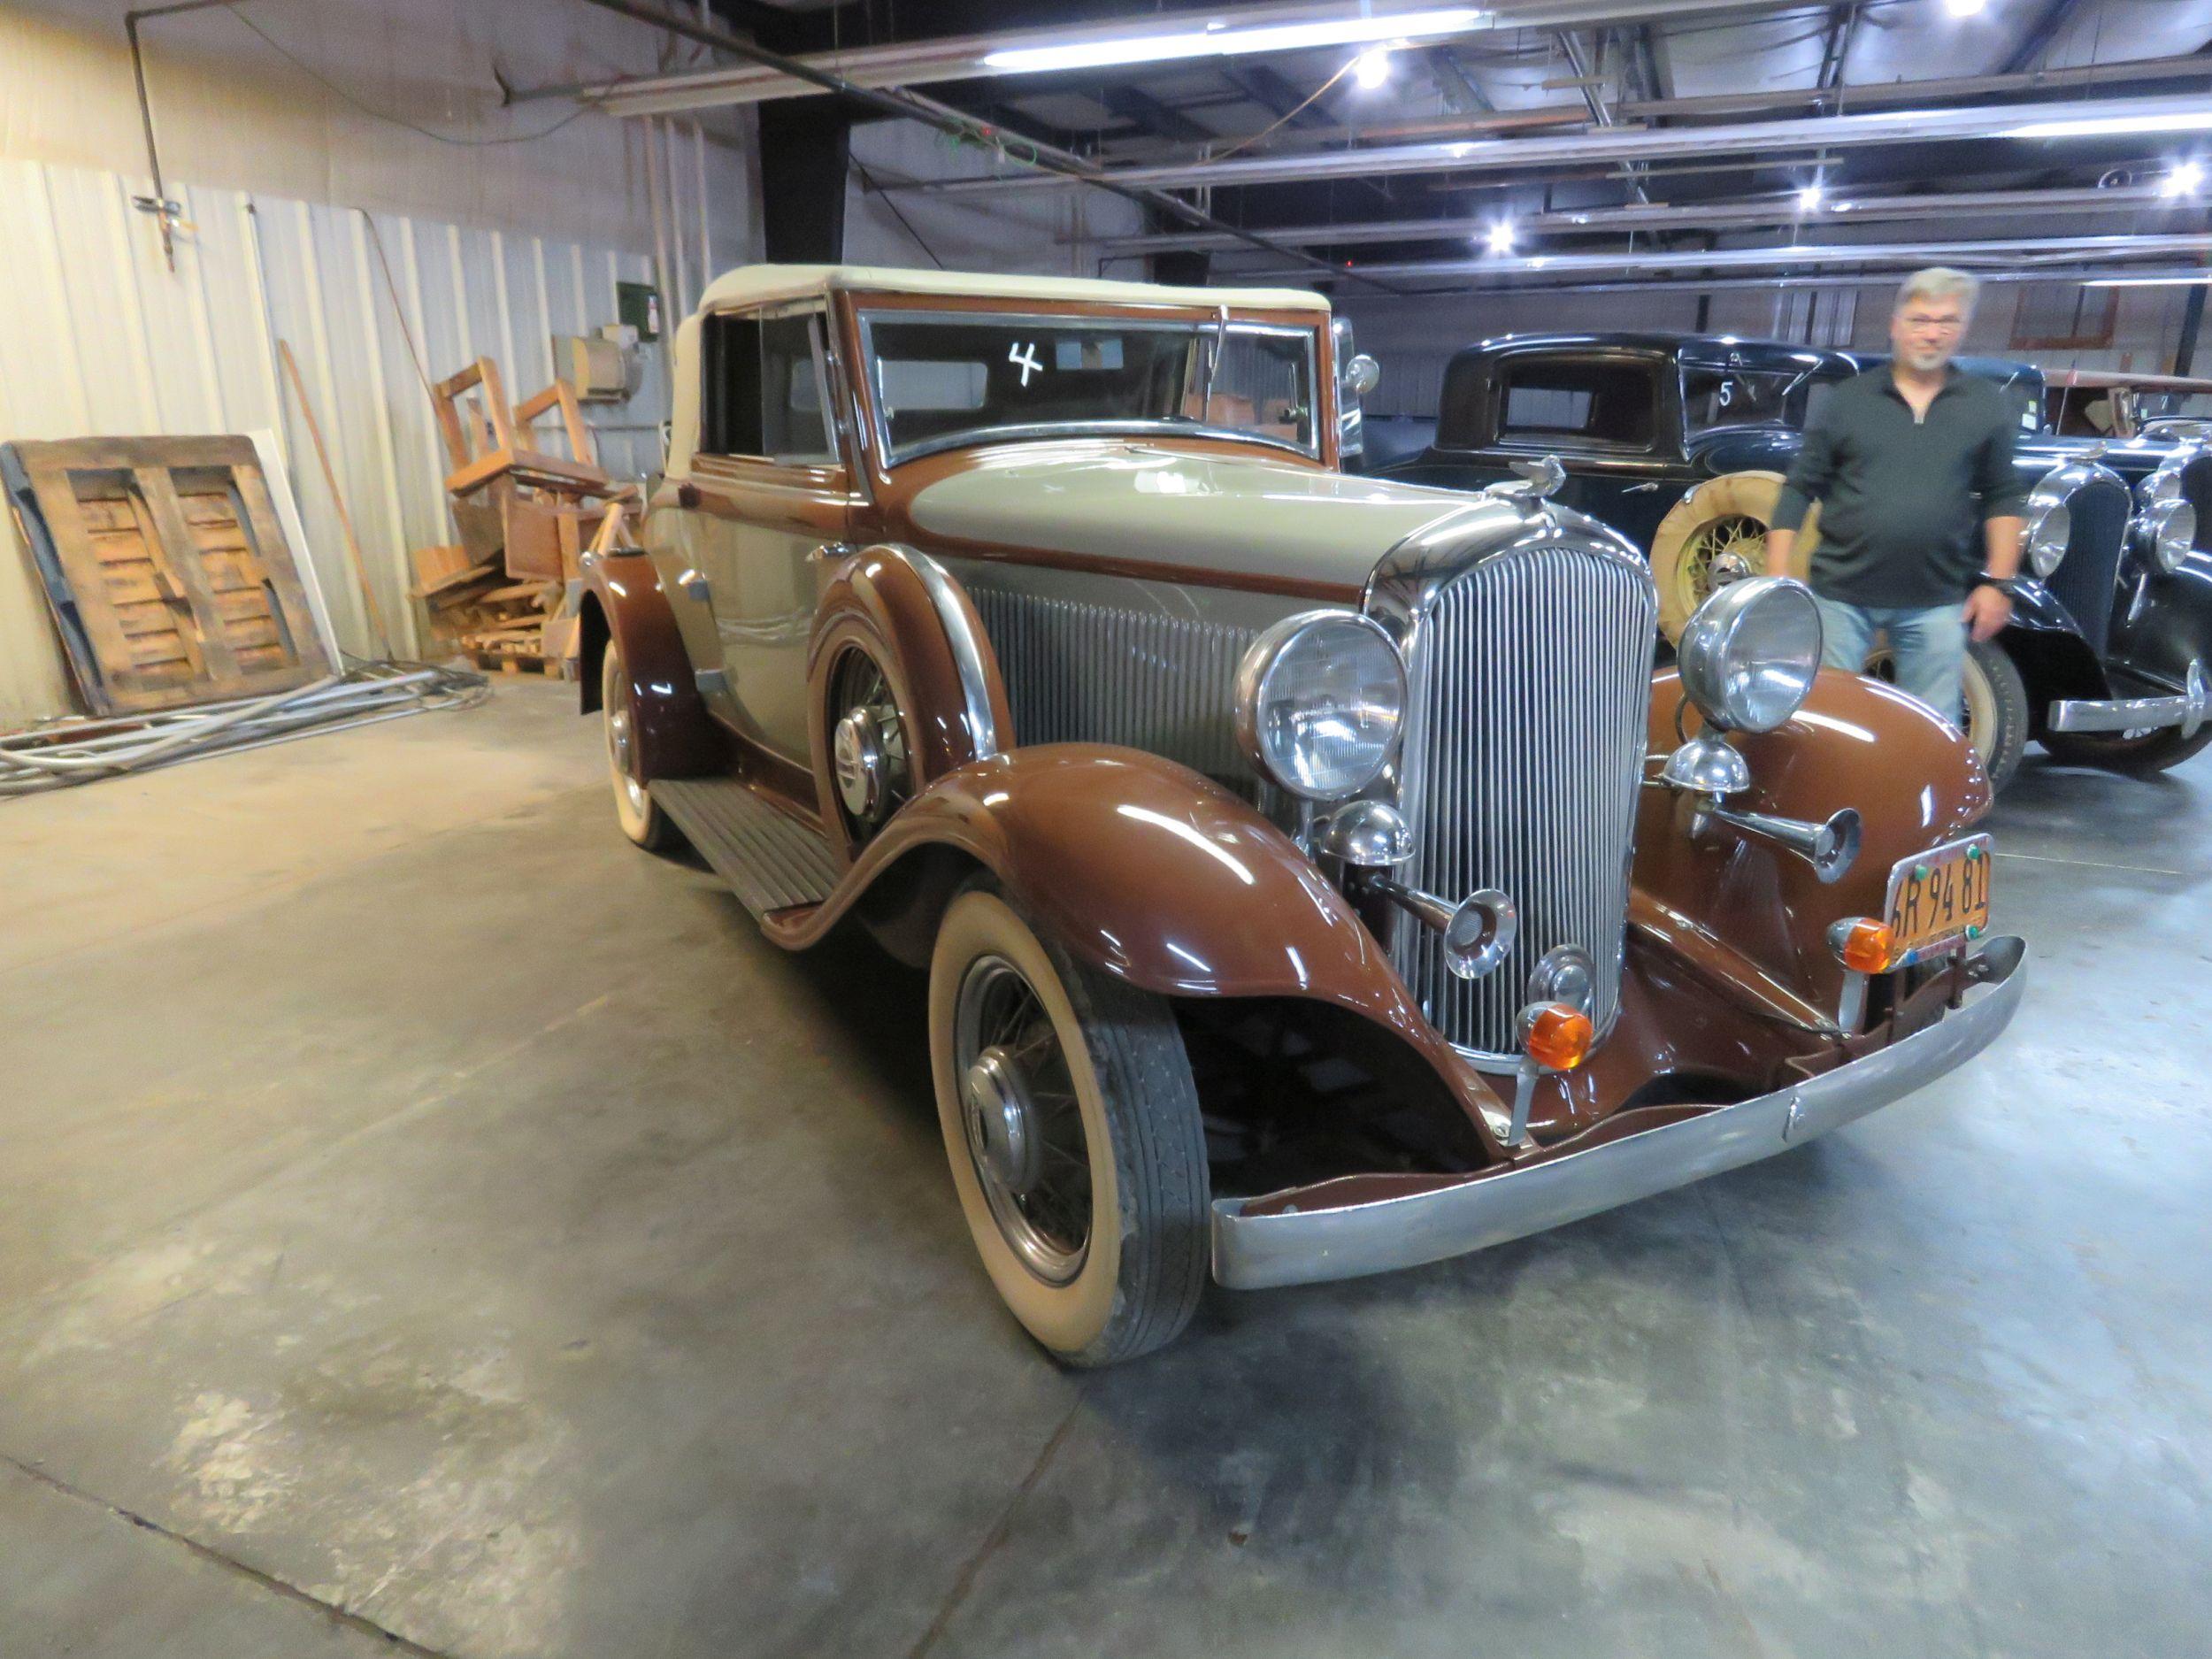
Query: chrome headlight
{"x": 1749, "y": 653}
{"x": 2165, "y": 523}
{"x": 1321, "y": 697}
{"x": 2168, "y": 530}
{"x": 2050, "y": 527}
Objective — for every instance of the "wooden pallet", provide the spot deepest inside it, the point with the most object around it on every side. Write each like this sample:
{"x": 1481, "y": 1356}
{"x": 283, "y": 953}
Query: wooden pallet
{"x": 166, "y": 570}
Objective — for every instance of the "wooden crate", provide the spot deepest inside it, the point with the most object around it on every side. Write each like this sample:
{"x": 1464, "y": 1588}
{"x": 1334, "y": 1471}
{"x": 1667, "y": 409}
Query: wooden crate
{"x": 166, "y": 569}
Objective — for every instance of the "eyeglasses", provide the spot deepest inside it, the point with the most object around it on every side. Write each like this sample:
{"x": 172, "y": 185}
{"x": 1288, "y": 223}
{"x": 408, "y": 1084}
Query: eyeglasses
{"x": 1945, "y": 325}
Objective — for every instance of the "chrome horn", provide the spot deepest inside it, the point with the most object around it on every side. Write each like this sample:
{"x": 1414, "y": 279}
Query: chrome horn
{"x": 1477, "y": 931}
{"x": 1831, "y": 848}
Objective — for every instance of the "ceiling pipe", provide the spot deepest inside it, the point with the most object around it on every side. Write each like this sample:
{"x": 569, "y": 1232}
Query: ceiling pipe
{"x": 1768, "y": 211}
{"x": 1056, "y": 166}
{"x": 2009, "y": 251}
{"x": 1626, "y": 144}
{"x": 964, "y": 58}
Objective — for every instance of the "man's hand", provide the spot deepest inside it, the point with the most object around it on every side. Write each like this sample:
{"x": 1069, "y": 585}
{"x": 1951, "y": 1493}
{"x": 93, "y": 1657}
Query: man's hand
{"x": 1987, "y": 610}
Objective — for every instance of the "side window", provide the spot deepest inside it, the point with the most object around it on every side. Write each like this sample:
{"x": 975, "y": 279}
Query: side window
{"x": 794, "y": 422}
{"x": 1604, "y": 402}
{"x": 762, "y": 392}
{"x": 729, "y": 396}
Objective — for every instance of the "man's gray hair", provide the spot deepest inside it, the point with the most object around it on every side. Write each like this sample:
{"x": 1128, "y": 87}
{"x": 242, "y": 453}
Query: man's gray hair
{"x": 1939, "y": 283}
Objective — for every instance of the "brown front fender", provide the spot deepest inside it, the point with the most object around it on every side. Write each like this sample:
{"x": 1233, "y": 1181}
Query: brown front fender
{"x": 1856, "y": 743}
{"x": 903, "y": 610}
{"x": 623, "y": 601}
{"x": 1149, "y": 870}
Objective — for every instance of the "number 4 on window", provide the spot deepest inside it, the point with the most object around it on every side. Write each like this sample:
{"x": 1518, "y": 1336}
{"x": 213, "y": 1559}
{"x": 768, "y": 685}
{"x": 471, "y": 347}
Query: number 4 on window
{"x": 1023, "y": 357}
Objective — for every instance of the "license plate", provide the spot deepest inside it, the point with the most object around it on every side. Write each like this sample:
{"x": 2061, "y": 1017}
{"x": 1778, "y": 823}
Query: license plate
{"x": 1938, "y": 897}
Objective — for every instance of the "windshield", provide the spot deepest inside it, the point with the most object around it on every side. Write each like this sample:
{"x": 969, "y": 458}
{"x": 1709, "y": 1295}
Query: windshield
{"x": 1750, "y": 397}
{"x": 943, "y": 378}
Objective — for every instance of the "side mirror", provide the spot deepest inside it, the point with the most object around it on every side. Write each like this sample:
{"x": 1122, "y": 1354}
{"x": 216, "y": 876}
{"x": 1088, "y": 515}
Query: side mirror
{"x": 1361, "y": 375}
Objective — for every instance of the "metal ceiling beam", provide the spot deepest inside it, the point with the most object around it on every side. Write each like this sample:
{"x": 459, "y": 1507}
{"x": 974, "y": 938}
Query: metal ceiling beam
{"x": 1828, "y": 280}
{"x": 1266, "y": 88}
{"x": 2009, "y": 252}
{"x": 1134, "y": 104}
{"x": 1870, "y": 95}
{"x": 921, "y": 62}
{"x": 1629, "y": 144}
{"x": 1051, "y": 162}
{"x": 1766, "y": 211}
{"x": 2056, "y": 15}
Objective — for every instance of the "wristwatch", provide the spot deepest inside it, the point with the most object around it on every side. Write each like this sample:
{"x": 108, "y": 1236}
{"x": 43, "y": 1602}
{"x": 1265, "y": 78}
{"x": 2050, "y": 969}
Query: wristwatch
{"x": 2005, "y": 585}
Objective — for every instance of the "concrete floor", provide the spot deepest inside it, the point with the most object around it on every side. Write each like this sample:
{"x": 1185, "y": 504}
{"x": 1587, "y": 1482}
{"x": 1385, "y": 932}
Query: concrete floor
{"x": 423, "y": 1216}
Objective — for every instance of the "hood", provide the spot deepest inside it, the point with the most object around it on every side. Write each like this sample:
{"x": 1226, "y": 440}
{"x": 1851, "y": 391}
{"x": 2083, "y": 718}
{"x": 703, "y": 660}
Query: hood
{"x": 1137, "y": 504}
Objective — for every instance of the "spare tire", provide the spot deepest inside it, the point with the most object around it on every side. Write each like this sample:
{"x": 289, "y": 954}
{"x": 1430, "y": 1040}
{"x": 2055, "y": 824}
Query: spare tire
{"x": 1716, "y": 534}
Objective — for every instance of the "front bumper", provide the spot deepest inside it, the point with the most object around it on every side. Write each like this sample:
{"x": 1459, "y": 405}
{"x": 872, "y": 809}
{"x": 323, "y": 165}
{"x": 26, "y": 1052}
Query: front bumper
{"x": 2133, "y": 714}
{"x": 1308, "y": 1244}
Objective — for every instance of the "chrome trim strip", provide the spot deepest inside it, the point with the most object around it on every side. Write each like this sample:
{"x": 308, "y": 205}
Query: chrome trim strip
{"x": 967, "y": 650}
{"x": 2132, "y": 714}
{"x": 1251, "y": 1252}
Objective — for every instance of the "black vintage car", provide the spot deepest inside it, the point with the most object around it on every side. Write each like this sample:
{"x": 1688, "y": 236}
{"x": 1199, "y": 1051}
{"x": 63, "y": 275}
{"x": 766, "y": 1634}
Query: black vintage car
{"x": 1681, "y": 441}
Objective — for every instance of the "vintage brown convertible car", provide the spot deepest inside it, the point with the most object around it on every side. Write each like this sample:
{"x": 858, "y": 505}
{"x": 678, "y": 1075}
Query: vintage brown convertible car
{"x": 1314, "y": 876}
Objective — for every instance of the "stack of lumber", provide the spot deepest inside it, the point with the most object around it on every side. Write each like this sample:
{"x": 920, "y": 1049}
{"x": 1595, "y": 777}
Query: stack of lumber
{"x": 505, "y": 596}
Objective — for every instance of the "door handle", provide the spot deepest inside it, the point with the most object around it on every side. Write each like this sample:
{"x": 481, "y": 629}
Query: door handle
{"x": 1642, "y": 489}
{"x": 831, "y": 551}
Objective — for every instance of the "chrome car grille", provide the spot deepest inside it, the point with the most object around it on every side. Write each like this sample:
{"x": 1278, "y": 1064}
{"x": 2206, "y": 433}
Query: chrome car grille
{"x": 1531, "y": 688}
{"x": 1081, "y": 672}
{"x": 2084, "y": 580}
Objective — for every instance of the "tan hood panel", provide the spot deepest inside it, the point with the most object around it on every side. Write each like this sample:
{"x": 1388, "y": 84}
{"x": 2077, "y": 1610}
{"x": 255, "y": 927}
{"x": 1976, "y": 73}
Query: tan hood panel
{"x": 1133, "y": 504}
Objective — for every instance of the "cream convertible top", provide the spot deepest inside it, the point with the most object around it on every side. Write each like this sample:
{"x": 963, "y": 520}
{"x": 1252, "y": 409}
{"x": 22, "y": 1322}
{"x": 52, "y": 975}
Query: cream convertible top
{"x": 764, "y": 284}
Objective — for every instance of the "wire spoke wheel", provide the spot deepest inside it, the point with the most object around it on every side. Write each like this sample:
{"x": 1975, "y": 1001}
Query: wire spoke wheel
{"x": 870, "y": 753}
{"x": 1725, "y": 550}
{"x": 1025, "y": 1135}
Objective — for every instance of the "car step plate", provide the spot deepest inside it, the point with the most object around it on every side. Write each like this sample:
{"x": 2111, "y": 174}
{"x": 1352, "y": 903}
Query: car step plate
{"x": 772, "y": 861}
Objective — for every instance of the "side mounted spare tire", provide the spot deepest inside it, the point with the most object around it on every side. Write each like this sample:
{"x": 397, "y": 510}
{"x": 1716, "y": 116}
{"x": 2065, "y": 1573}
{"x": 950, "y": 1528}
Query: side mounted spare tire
{"x": 1722, "y": 522}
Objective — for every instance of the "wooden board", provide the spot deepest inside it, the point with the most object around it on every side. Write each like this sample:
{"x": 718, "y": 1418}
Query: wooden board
{"x": 166, "y": 570}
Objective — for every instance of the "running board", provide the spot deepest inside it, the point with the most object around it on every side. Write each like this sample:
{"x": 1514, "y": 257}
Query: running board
{"x": 771, "y": 860}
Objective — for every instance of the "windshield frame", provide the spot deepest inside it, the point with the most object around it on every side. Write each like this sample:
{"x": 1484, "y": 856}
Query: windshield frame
{"x": 1196, "y": 324}
{"x": 1800, "y": 374}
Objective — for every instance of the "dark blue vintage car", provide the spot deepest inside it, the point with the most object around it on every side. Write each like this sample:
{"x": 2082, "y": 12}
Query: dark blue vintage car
{"x": 1680, "y": 441}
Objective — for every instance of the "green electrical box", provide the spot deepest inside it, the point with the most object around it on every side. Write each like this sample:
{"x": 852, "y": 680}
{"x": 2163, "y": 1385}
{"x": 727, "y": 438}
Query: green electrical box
{"x": 639, "y": 304}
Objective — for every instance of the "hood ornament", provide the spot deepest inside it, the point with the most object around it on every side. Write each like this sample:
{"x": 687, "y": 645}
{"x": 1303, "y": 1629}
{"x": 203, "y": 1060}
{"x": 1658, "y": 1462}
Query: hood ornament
{"x": 1539, "y": 481}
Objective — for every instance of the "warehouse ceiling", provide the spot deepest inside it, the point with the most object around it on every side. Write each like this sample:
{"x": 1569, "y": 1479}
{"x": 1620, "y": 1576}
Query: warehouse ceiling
{"x": 1487, "y": 143}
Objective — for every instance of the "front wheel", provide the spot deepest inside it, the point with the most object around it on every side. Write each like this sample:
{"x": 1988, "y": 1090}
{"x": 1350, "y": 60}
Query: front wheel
{"x": 642, "y": 820}
{"x": 1072, "y": 1124}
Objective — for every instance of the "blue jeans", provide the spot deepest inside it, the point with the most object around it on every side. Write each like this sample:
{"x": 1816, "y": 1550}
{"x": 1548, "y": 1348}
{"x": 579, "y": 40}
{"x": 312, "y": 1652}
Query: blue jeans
{"x": 1929, "y": 645}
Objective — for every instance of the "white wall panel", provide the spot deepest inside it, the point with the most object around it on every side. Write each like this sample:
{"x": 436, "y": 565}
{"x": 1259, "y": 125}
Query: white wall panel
{"x": 100, "y": 338}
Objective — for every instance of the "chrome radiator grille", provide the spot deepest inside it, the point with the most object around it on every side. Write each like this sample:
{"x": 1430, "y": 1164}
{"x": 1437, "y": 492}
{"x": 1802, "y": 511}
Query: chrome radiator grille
{"x": 1532, "y": 686}
{"x": 1091, "y": 673}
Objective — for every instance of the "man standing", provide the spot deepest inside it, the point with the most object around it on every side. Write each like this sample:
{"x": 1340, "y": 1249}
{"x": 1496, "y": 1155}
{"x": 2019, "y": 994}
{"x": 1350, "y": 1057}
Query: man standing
{"x": 1907, "y": 462}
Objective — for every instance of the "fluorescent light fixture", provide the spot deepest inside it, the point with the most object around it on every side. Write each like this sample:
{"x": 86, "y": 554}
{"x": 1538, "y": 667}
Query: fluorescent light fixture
{"x": 2113, "y": 126}
{"x": 1500, "y": 236}
{"x": 2184, "y": 179}
{"x": 2148, "y": 281}
{"x": 1372, "y": 67}
{"x": 1224, "y": 40}
{"x": 1964, "y": 8}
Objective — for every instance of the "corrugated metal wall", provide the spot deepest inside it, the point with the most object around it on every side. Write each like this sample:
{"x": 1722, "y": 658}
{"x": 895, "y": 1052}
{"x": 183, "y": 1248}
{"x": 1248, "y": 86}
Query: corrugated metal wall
{"x": 98, "y": 338}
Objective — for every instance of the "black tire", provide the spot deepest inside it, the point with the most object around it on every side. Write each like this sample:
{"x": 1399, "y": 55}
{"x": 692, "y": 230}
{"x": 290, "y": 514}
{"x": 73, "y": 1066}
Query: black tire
{"x": 1995, "y": 719}
{"x": 1144, "y": 1261}
{"x": 2142, "y": 757}
{"x": 1999, "y": 704}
